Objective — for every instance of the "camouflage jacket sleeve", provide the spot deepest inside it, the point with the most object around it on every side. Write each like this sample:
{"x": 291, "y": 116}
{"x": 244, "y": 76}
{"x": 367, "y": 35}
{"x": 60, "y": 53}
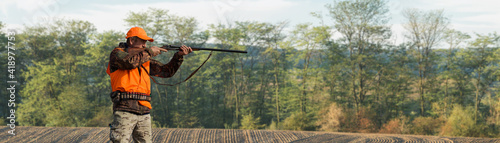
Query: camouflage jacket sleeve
{"x": 159, "y": 69}
{"x": 123, "y": 58}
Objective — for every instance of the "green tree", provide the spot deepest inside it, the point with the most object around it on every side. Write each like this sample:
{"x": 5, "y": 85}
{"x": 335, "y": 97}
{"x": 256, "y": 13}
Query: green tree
{"x": 455, "y": 40}
{"x": 182, "y": 29}
{"x": 393, "y": 83}
{"x": 262, "y": 40}
{"x": 4, "y": 109}
{"x": 426, "y": 125}
{"x": 298, "y": 121}
{"x": 95, "y": 62}
{"x": 494, "y": 119}
{"x": 481, "y": 60}
{"x": 425, "y": 30}
{"x": 311, "y": 39}
{"x": 228, "y": 67}
{"x": 54, "y": 94}
{"x": 250, "y": 122}
{"x": 154, "y": 21}
{"x": 460, "y": 123}
{"x": 362, "y": 24}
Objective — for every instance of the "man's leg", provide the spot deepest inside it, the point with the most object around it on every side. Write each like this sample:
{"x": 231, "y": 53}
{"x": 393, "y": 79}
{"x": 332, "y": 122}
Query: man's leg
{"x": 142, "y": 132}
{"x": 122, "y": 126}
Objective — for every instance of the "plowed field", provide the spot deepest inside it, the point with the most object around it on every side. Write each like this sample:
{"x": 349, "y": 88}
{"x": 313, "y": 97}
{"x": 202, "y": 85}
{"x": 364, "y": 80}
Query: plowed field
{"x": 101, "y": 134}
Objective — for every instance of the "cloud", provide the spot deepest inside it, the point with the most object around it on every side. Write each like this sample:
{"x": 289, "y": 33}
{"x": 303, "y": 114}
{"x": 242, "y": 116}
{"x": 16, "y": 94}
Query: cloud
{"x": 110, "y": 16}
{"x": 110, "y": 20}
{"x": 201, "y": 11}
{"x": 28, "y": 5}
{"x": 480, "y": 16}
{"x": 265, "y": 5}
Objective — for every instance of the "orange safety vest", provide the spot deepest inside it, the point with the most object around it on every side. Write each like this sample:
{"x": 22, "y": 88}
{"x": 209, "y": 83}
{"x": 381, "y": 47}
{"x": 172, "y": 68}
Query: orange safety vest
{"x": 131, "y": 81}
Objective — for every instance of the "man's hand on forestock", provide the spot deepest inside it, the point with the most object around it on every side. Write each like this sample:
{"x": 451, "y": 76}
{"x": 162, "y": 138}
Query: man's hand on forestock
{"x": 185, "y": 50}
{"x": 157, "y": 50}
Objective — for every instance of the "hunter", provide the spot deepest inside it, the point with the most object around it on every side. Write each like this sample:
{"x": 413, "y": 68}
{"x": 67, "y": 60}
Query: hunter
{"x": 130, "y": 67}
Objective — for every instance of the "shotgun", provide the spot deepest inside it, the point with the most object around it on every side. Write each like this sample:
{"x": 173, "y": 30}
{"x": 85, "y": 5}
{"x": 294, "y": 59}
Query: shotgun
{"x": 174, "y": 47}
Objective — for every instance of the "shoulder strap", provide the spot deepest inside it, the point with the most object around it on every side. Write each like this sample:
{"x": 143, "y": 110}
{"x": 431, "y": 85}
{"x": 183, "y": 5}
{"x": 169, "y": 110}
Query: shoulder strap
{"x": 191, "y": 75}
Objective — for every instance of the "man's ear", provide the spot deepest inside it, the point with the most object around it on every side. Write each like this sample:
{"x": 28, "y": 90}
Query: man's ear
{"x": 131, "y": 41}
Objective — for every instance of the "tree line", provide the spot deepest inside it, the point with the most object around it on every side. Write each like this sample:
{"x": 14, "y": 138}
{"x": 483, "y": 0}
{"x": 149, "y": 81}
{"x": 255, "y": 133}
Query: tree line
{"x": 299, "y": 79}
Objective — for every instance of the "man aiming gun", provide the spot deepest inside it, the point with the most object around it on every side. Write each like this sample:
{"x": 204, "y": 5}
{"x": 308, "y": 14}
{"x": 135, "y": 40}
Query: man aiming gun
{"x": 130, "y": 67}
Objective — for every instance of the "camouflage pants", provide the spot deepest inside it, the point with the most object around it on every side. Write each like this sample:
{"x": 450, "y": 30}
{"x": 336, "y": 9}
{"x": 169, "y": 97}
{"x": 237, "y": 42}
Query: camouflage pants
{"x": 126, "y": 124}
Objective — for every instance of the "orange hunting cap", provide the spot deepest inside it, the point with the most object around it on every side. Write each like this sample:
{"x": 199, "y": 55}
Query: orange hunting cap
{"x": 139, "y": 32}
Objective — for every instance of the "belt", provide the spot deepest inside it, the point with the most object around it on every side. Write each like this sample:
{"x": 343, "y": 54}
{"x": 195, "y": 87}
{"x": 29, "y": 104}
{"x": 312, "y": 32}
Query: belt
{"x": 117, "y": 96}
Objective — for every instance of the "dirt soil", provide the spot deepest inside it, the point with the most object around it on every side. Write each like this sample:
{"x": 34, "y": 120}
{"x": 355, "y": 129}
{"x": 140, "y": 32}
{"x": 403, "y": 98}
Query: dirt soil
{"x": 101, "y": 134}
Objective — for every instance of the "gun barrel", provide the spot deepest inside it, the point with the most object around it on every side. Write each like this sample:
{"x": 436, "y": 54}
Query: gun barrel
{"x": 174, "y": 47}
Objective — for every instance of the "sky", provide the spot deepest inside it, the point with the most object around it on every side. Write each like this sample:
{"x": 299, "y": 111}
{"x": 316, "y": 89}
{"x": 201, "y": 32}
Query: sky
{"x": 478, "y": 16}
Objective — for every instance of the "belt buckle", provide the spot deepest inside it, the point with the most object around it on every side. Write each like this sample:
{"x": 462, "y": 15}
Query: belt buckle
{"x": 115, "y": 96}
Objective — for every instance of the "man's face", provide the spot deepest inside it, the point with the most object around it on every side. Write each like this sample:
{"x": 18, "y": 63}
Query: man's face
{"x": 138, "y": 43}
